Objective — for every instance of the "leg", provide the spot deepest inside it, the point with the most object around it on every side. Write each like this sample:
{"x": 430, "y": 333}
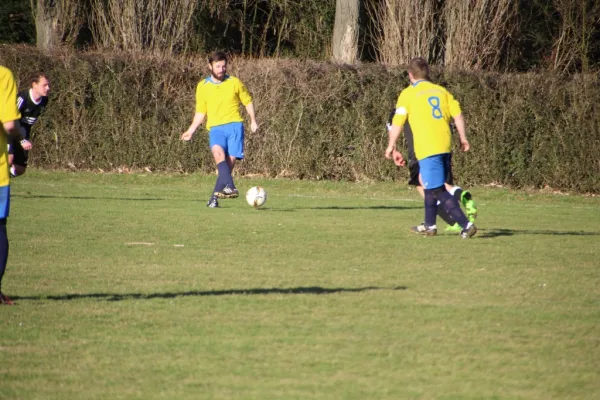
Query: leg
{"x": 4, "y": 207}
{"x": 235, "y": 145}
{"x": 17, "y": 159}
{"x": 451, "y": 206}
{"x": 463, "y": 196}
{"x": 216, "y": 143}
{"x": 231, "y": 162}
{"x": 3, "y": 250}
{"x": 224, "y": 173}
{"x": 17, "y": 170}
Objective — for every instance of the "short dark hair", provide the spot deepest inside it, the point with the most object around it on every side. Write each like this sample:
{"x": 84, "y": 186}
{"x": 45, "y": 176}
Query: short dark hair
{"x": 419, "y": 68}
{"x": 36, "y": 76}
{"x": 217, "y": 56}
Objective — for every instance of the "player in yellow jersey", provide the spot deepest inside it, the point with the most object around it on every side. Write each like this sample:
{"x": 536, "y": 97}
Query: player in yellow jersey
{"x": 218, "y": 99}
{"x": 428, "y": 109}
{"x": 9, "y": 125}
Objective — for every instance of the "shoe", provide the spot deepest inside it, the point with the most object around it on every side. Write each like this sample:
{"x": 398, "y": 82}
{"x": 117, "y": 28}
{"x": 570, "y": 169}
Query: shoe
{"x": 468, "y": 232}
{"x": 471, "y": 210}
{"x": 5, "y": 300}
{"x": 423, "y": 230}
{"x": 213, "y": 203}
{"x": 228, "y": 193}
{"x": 469, "y": 206}
{"x": 453, "y": 228}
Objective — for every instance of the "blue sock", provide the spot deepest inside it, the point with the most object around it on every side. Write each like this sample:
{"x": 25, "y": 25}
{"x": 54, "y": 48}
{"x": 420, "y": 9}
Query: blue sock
{"x": 452, "y": 207}
{"x": 225, "y": 173}
{"x": 3, "y": 249}
{"x": 430, "y": 208}
{"x": 222, "y": 178}
{"x": 229, "y": 175}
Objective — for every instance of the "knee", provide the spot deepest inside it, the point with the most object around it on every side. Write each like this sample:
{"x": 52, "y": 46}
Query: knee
{"x": 218, "y": 153}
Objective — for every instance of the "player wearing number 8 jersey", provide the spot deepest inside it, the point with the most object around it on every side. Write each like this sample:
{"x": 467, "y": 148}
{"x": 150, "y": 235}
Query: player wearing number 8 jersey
{"x": 428, "y": 109}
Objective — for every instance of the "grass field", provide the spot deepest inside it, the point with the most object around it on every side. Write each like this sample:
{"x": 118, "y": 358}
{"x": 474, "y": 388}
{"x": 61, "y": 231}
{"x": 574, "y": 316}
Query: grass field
{"x": 128, "y": 287}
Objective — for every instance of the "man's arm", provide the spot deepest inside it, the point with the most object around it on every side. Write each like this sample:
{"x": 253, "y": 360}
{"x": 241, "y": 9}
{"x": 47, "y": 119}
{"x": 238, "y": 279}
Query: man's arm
{"x": 459, "y": 121}
{"x": 253, "y": 123}
{"x": 196, "y": 122}
{"x": 12, "y": 128}
{"x": 9, "y": 113}
{"x": 393, "y": 134}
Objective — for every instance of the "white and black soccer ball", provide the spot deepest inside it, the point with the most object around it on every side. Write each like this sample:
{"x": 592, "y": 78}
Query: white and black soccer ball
{"x": 256, "y": 196}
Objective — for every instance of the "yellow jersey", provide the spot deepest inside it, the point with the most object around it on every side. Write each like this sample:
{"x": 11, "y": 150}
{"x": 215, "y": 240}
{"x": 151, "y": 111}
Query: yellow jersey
{"x": 8, "y": 112}
{"x": 428, "y": 108}
{"x": 220, "y": 102}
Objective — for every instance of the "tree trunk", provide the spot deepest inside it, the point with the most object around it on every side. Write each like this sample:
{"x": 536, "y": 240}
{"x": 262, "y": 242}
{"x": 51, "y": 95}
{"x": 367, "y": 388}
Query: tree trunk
{"x": 46, "y": 22}
{"x": 345, "y": 31}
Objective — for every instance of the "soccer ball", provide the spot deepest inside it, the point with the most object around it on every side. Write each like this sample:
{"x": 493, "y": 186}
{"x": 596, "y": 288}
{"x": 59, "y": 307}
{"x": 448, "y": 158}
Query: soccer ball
{"x": 256, "y": 196}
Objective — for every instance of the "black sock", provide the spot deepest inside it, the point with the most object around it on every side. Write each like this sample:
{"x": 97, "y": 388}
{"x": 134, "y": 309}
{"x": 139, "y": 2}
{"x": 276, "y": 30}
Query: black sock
{"x": 3, "y": 249}
{"x": 430, "y": 208}
{"x": 441, "y": 212}
{"x": 459, "y": 193}
{"x": 225, "y": 173}
{"x": 223, "y": 177}
{"x": 452, "y": 207}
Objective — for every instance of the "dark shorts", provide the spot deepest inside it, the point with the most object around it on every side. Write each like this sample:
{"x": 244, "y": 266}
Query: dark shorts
{"x": 20, "y": 156}
{"x": 413, "y": 169}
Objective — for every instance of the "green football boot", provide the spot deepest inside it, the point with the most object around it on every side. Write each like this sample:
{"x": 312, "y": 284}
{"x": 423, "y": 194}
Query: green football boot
{"x": 456, "y": 228}
{"x": 469, "y": 206}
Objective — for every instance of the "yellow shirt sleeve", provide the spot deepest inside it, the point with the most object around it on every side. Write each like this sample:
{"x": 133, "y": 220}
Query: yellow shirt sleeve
{"x": 453, "y": 105}
{"x": 401, "y": 113}
{"x": 243, "y": 94}
{"x": 200, "y": 98}
{"x": 8, "y": 97}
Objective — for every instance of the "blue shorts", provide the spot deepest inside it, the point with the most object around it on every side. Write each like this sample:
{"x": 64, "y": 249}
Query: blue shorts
{"x": 230, "y": 137}
{"x": 4, "y": 201}
{"x": 434, "y": 170}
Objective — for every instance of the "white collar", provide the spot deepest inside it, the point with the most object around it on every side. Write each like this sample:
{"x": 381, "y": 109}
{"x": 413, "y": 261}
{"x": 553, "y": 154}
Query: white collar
{"x": 31, "y": 97}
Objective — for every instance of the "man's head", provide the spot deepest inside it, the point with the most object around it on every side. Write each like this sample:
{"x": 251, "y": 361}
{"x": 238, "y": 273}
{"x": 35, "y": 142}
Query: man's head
{"x": 418, "y": 69}
{"x": 217, "y": 63}
{"x": 40, "y": 85}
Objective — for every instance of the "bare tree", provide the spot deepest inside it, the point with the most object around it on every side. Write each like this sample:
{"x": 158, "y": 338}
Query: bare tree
{"x": 345, "y": 31}
{"x": 159, "y": 26}
{"x": 57, "y": 22}
{"x": 406, "y": 29}
{"x": 579, "y": 22}
{"x": 477, "y": 31}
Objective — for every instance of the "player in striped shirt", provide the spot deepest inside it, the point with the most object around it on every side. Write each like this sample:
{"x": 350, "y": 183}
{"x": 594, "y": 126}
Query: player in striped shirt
{"x": 31, "y": 104}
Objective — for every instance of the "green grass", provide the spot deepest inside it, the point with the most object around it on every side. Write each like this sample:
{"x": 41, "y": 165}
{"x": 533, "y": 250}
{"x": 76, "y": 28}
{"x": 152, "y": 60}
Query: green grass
{"x": 322, "y": 294}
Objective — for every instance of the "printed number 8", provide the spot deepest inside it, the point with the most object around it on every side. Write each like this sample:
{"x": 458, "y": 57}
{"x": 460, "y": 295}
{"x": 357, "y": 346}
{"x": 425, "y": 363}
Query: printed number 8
{"x": 436, "y": 111}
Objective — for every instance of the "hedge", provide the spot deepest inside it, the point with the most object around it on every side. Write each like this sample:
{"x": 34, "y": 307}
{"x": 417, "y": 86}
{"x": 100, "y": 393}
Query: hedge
{"x": 318, "y": 120}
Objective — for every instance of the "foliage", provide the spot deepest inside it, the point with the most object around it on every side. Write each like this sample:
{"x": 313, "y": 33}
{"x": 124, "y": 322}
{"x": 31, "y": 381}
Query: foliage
{"x": 16, "y": 22}
{"x": 318, "y": 120}
{"x": 510, "y": 35}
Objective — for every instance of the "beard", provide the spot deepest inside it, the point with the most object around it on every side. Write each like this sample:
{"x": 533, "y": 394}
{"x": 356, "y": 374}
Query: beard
{"x": 218, "y": 76}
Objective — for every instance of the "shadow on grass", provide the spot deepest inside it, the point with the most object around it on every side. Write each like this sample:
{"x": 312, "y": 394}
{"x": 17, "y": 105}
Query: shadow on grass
{"x": 494, "y": 232}
{"x": 342, "y": 208}
{"x": 228, "y": 292}
{"x": 45, "y": 196}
